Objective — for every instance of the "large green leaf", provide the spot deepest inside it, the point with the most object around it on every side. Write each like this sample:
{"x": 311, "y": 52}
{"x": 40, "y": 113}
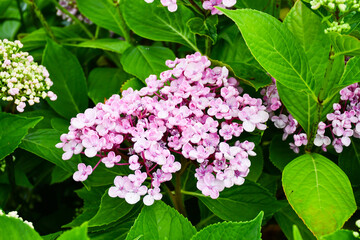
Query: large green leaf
{"x": 271, "y": 7}
{"x": 349, "y": 161}
{"x": 345, "y": 44}
{"x": 102, "y": 12}
{"x": 160, "y": 221}
{"x": 13, "y": 129}
{"x": 69, "y": 80}
{"x": 341, "y": 234}
{"x": 287, "y": 218}
{"x": 157, "y": 23}
{"x": 141, "y": 61}
{"x": 42, "y": 143}
{"x": 4, "y": 4}
{"x": 232, "y": 50}
{"x": 242, "y": 203}
{"x": 234, "y": 230}
{"x": 112, "y": 78}
{"x": 111, "y": 209}
{"x": 306, "y": 26}
{"x": 320, "y": 193}
{"x": 205, "y": 27}
{"x": 78, "y": 233}
{"x": 275, "y": 48}
{"x": 108, "y": 44}
{"x": 15, "y": 229}
{"x": 9, "y": 28}
{"x": 352, "y": 73}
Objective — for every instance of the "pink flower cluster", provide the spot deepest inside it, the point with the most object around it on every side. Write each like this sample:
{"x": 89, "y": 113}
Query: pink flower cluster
{"x": 190, "y": 112}
{"x": 207, "y": 5}
{"x": 342, "y": 124}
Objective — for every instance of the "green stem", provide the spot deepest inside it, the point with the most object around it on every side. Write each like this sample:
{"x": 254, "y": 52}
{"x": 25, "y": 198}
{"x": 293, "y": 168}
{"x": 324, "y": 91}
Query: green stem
{"x": 194, "y": 194}
{"x": 207, "y": 46}
{"x": 97, "y": 31}
{"x": 122, "y": 25}
{"x": 42, "y": 19}
{"x": 74, "y": 18}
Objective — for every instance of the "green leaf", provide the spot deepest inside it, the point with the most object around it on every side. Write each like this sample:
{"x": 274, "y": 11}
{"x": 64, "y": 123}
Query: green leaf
{"x": 232, "y": 50}
{"x": 160, "y": 221}
{"x": 242, "y": 203}
{"x": 112, "y": 78}
{"x": 157, "y": 23}
{"x": 301, "y": 106}
{"x": 275, "y": 48}
{"x": 107, "y": 44}
{"x": 69, "y": 80}
{"x": 4, "y": 4}
{"x": 320, "y": 193}
{"x": 345, "y": 44}
{"x": 142, "y": 61}
{"x": 257, "y": 164}
{"x": 205, "y": 27}
{"x": 349, "y": 161}
{"x": 103, "y": 13}
{"x": 16, "y": 229}
{"x": 42, "y": 143}
{"x": 342, "y": 234}
{"x": 13, "y": 129}
{"x": 59, "y": 175}
{"x": 280, "y": 152}
{"x": 60, "y": 124}
{"x": 9, "y": 28}
{"x": 92, "y": 200}
{"x": 78, "y": 233}
{"x": 234, "y": 230}
{"x": 111, "y": 210}
{"x": 297, "y": 234}
{"x": 133, "y": 83}
{"x": 271, "y": 7}
{"x": 306, "y": 26}
{"x": 351, "y": 74}
{"x": 287, "y": 218}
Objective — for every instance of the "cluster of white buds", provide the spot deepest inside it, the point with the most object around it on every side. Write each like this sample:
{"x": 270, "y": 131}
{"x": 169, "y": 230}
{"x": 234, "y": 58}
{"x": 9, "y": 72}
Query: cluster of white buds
{"x": 338, "y": 27}
{"x": 334, "y": 5}
{"x": 21, "y": 79}
{"x": 14, "y": 214}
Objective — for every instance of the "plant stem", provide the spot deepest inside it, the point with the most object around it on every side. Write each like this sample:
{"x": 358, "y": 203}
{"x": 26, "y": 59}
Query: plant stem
{"x": 197, "y": 7}
{"x": 194, "y": 194}
{"x": 122, "y": 25}
{"x": 75, "y": 19}
{"x": 207, "y": 46}
{"x": 178, "y": 195}
{"x": 42, "y": 19}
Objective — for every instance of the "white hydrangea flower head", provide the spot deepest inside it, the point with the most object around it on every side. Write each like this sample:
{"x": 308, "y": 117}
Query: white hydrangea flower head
{"x": 22, "y": 80}
{"x": 14, "y": 214}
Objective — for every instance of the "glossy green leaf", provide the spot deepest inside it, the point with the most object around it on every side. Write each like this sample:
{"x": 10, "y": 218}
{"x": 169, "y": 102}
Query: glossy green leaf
{"x": 296, "y": 233}
{"x": 112, "y": 78}
{"x": 160, "y": 221}
{"x": 345, "y": 44}
{"x": 111, "y": 210}
{"x": 231, "y": 49}
{"x": 306, "y": 26}
{"x": 42, "y": 143}
{"x": 242, "y": 203}
{"x": 342, "y": 234}
{"x": 108, "y": 44}
{"x": 275, "y": 48}
{"x": 69, "y": 80}
{"x": 103, "y": 13}
{"x": 326, "y": 188}
{"x": 157, "y": 23}
{"x": 280, "y": 152}
{"x": 142, "y": 61}
{"x": 287, "y": 218}
{"x": 13, "y": 129}
{"x": 16, "y": 229}
{"x": 349, "y": 161}
{"x": 352, "y": 73}
{"x": 205, "y": 27}
{"x": 271, "y": 7}
{"x": 78, "y": 233}
{"x": 234, "y": 230}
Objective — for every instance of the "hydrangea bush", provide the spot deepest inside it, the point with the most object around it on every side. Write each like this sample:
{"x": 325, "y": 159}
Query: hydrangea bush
{"x": 179, "y": 119}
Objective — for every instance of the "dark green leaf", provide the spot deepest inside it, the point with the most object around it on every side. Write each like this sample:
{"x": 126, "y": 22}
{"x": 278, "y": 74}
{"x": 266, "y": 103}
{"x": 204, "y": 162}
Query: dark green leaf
{"x": 160, "y": 221}
{"x": 142, "y": 61}
{"x": 78, "y": 233}
{"x": 242, "y": 203}
{"x": 69, "y": 80}
{"x": 349, "y": 161}
{"x": 280, "y": 152}
{"x": 326, "y": 189}
{"x": 234, "y": 230}
{"x": 112, "y": 78}
{"x": 157, "y": 23}
{"x": 13, "y": 129}
{"x": 205, "y": 27}
{"x": 345, "y": 44}
{"x": 257, "y": 164}
{"x": 59, "y": 175}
